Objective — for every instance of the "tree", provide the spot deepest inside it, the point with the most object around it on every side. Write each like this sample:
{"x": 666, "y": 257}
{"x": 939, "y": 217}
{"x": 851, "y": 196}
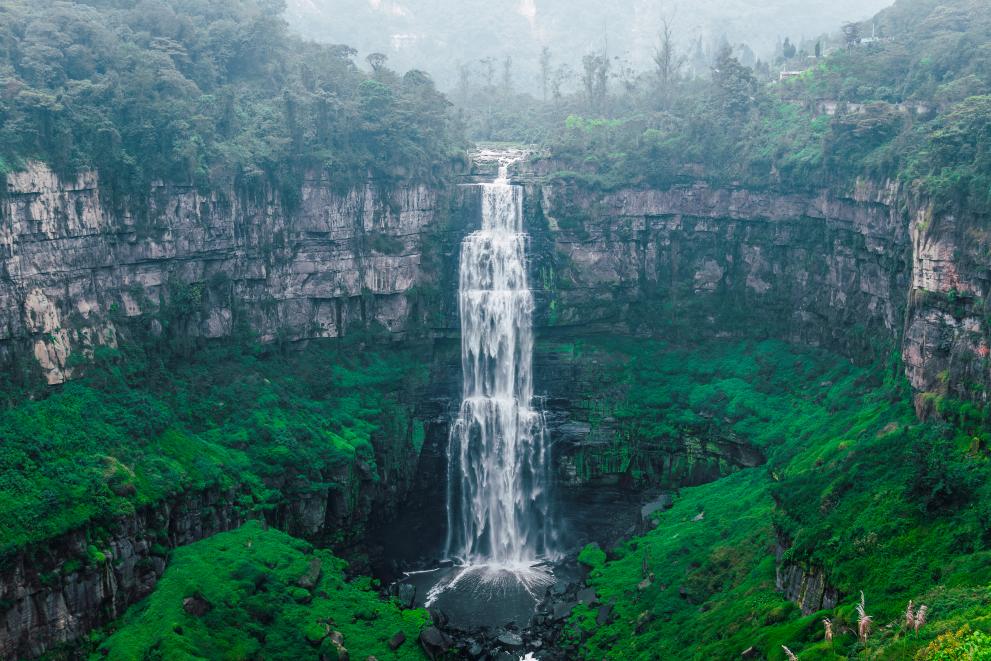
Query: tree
{"x": 488, "y": 69}
{"x": 667, "y": 62}
{"x": 464, "y": 82}
{"x": 507, "y": 75}
{"x": 735, "y": 84}
{"x": 545, "y": 70}
{"x": 561, "y": 76}
{"x": 595, "y": 77}
{"x": 788, "y": 49}
{"x": 851, "y": 34}
{"x": 376, "y": 61}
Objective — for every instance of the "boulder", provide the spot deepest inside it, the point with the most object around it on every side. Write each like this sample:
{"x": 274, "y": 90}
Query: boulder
{"x": 309, "y": 580}
{"x": 659, "y": 504}
{"x": 434, "y": 642}
{"x": 587, "y": 596}
{"x": 196, "y": 606}
{"x": 407, "y": 595}
{"x": 397, "y": 640}
{"x": 562, "y": 610}
{"x": 332, "y": 648}
{"x": 510, "y": 639}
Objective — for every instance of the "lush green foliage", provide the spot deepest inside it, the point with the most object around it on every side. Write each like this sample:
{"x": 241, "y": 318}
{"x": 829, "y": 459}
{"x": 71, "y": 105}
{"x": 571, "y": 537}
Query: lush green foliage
{"x": 266, "y": 595}
{"x": 203, "y": 91}
{"x": 135, "y": 429}
{"x": 911, "y": 106}
{"x": 854, "y": 485}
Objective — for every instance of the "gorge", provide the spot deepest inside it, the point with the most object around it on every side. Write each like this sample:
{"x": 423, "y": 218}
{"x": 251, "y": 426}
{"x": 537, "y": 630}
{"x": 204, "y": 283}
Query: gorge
{"x": 292, "y": 369}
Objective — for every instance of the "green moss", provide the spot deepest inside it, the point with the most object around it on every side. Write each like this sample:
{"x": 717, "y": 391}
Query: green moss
{"x": 245, "y": 582}
{"x": 592, "y": 556}
{"x": 854, "y": 485}
{"x": 133, "y": 431}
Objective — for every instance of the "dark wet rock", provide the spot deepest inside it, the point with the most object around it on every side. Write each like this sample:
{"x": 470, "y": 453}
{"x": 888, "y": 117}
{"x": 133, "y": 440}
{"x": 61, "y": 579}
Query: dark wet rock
{"x": 407, "y": 595}
{"x": 310, "y": 579}
{"x": 562, "y": 610}
{"x": 559, "y": 588}
{"x": 438, "y": 617}
{"x": 510, "y": 639}
{"x": 602, "y": 617}
{"x": 196, "y": 606}
{"x": 332, "y": 648}
{"x": 434, "y": 642}
{"x": 659, "y": 504}
{"x": 643, "y": 620}
{"x": 397, "y": 640}
{"x": 587, "y": 596}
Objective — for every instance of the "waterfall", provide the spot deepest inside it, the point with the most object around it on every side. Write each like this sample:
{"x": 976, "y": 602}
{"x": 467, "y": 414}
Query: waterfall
{"x": 498, "y": 455}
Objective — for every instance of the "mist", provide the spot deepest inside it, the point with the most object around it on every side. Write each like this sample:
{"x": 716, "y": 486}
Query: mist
{"x": 443, "y": 36}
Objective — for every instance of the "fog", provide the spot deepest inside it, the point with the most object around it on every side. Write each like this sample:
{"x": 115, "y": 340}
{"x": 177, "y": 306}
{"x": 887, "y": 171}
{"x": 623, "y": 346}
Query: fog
{"x": 440, "y": 36}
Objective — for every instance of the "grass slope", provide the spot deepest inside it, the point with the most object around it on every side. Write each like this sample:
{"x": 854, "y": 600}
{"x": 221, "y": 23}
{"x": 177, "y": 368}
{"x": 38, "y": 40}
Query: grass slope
{"x": 135, "y": 430}
{"x": 263, "y": 600}
{"x": 854, "y": 484}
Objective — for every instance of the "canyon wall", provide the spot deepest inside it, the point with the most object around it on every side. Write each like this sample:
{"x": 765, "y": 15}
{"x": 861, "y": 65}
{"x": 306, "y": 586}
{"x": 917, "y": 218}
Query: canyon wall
{"x": 72, "y": 269}
{"x": 55, "y": 593}
{"x": 861, "y": 273}
{"x": 856, "y": 272}
{"x": 817, "y": 270}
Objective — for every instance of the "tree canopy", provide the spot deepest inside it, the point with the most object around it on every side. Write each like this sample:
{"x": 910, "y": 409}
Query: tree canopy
{"x": 203, "y": 90}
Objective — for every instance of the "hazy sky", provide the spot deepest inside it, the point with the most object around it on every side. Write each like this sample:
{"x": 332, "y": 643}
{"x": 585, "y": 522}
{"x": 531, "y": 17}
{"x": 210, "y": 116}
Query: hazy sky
{"x": 437, "y": 35}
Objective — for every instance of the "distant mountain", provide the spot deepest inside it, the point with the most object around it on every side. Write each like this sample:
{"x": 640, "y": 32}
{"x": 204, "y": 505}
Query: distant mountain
{"x": 438, "y": 35}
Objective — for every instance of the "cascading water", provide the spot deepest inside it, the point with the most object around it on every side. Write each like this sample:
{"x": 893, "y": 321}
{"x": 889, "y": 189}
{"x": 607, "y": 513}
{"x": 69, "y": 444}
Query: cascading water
{"x": 498, "y": 456}
{"x": 498, "y": 459}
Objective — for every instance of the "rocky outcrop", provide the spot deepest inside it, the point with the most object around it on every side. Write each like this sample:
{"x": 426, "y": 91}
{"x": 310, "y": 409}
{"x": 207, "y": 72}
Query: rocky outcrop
{"x": 54, "y": 593}
{"x": 858, "y": 272}
{"x": 807, "y": 587}
{"x": 947, "y": 339}
{"x": 832, "y": 268}
{"x": 57, "y": 593}
{"x": 73, "y": 270}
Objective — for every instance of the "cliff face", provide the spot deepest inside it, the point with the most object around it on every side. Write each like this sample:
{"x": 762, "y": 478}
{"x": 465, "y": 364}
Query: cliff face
{"x": 826, "y": 269}
{"x": 70, "y": 267}
{"x": 76, "y": 274}
{"x": 947, "y": 337}
{"x": 821, "y": 270}
{"x": 858, "y": 273}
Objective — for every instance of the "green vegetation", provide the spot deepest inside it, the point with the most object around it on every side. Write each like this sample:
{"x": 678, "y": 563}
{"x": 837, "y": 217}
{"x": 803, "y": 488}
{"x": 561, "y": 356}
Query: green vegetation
{"x": 258, "y": 593}
{"x": 204, "y": 92}
{"x": 912, "y": 105}
{"x": 854, "y": 486}
{"x": 138, "y": 427}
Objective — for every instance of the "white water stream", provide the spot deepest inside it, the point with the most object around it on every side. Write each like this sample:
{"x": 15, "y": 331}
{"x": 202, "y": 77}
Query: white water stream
{"x": 498, "y": 454}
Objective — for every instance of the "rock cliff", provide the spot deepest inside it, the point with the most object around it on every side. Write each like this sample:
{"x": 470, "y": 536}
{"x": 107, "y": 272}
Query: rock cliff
{"x": 823, "y": 270}
{"x": 72, "y": 268}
